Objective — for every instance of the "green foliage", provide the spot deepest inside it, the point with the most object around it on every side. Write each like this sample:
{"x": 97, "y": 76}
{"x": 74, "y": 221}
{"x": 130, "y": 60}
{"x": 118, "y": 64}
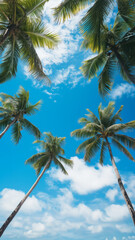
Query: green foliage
{"x": 52, "y": 152}
{"x": 99, "y": 130}
{"x": 21, "y": 30}
{"x": 13, "y": 110}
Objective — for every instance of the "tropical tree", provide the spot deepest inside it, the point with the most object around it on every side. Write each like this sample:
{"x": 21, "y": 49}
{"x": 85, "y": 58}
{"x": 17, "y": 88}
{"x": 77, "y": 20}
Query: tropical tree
{"x": 96, "y": 14}
{"x": 21, "y": 31}
{"x": 12, "y": 114}
{"x": 117, "y": 50}
{"x": 52, "y": 152}
{"x": 99, "y": 131}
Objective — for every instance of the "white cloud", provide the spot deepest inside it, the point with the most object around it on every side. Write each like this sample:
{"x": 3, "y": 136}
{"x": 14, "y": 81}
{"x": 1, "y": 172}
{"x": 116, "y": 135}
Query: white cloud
{"x": 86, "y": 179}
{"x": 9, "y": 199}
{"x": 116, "y": 212}
{"x": 95, "y": 229}
{"x": 111, "y": 194}
{"x": 123, "y": 89}
{"x": 69, "y": 75}
{"x": 124, "y": 228}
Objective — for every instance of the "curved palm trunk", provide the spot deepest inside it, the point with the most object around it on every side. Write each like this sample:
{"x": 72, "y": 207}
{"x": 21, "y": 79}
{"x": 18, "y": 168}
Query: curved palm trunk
{"x": 7, "y": 127}
{"x": 10, "y": 218}
{"x": 124, "y": 193}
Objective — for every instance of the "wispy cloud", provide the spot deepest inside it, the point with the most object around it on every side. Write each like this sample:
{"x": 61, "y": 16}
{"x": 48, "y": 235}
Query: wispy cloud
{"x": 123, "y": 89}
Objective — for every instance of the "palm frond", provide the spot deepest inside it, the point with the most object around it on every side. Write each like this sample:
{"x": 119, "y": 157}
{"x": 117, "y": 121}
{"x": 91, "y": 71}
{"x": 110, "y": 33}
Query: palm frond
{"x": 30, "y": 127}
{"x": 68, "y": 8}
{"x": 92, "y": 66}
{"x": 126, "y": 140}
{"x": 16, "y": 132}
{"x": 106, "y": 77}
{"x": 29, "y": 54}
{"x": 66, "y": 161}
{"x": 4, "y": 122}
{"x": 9, "y": 61}
{"x": 102, "y": 153}
{"x": 34, "y": 7}
{"x": 92, "y": 149}
{"x": 58, "y": 163}
{"x": 83, "y": 145}
{"x": 127, "y": 11}
{"x": 35, "y": 157}
{"x": 40, "y": 163}
{"x": 82, "y": 133}
{"x": 91, "y": 25}
{"x": 116, "y": 116}
{"x": 92, "y": 117}
{"x": 41, "y": 36}
{"x": 122, "y": 149}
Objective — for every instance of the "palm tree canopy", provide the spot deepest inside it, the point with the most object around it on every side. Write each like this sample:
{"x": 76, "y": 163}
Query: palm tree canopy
{"x": 97, "y": 130}
{"x": 96, "y": 15}
{"x": 117, "y": 50}
{"x": 52, "y": 151}
{"x": 14, "y": 109}
{"x": 21, "y": 31}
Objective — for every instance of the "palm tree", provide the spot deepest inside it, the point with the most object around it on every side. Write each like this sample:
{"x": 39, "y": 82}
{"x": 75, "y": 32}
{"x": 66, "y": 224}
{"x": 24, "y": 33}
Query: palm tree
{"x": 12, "y": 114}
{"x": 21, "y": 31}
{"x": 98, "y": 131}
{"x": 52, "y": 152}
{"x": 96, "y": 15}
{"x": 117, "y": 50}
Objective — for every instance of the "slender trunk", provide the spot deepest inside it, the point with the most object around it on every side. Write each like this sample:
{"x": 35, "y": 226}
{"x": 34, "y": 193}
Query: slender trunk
{"x": 10, "y": 218}
{"x": 7, "y": 127}
{"x": 123, "y": 64}
{"x": 124, "y": 193}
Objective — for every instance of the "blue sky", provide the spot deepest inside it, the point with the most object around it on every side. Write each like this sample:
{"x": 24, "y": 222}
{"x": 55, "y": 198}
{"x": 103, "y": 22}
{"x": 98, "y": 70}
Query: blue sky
{"x": 86, "y": 204}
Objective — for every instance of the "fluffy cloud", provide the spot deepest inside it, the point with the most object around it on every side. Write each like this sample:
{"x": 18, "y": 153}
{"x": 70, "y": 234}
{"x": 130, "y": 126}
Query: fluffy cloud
{"x": 111, "y": 194}
{"x": 123, "y": 89}
{"x": 9, "y": 198}
{"x": 95, "y": 229}
{"x": 86, "y": 179}
{"x": 124, "y": 228}
{"x": 116, "y": 212}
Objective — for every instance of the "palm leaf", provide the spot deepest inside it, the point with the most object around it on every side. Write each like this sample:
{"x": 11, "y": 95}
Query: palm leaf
{"x": 126, "y": 140}
{"x": 83, "y": 145}
{"x": 10, "y": 60}
{"x": 127, "y": 11}
{"x": 92, "y": 66}
{"x": 40, "y": 36}
{"x": 102, "y": 153}
{"x": 82, "y": 133}
{"x": 35, "y": 157}
{"x": 122, "y": 149}
{"x": 29, "y": 54}
{"x": 92, "y": 149}
{"x": 68, "y": 8}
{"x": 16, "y": 132}
{"x": 58, "y": 163}
{"x": 68, "y": 162}
{"x": 106, "y": 77}
{"x": 41, "y": 162}
{"x": 30, "y": 127}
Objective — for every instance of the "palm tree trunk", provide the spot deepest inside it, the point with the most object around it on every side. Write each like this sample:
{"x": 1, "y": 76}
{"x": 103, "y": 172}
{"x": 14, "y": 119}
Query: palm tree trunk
{"x": 124, "y": 193}
{"x": 7, "y": 127}
{"x": 10, "y": 218}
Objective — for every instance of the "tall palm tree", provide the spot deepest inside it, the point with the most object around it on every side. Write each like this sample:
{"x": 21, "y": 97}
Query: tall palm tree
{"x": 99, "y": 131}
{"x": 52, "y": 152}
{"x": 96, "y": 15}
{"x": 117, "y": 51}
{"x": 12, "y": 114}
{"x": 21, "y": 31}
